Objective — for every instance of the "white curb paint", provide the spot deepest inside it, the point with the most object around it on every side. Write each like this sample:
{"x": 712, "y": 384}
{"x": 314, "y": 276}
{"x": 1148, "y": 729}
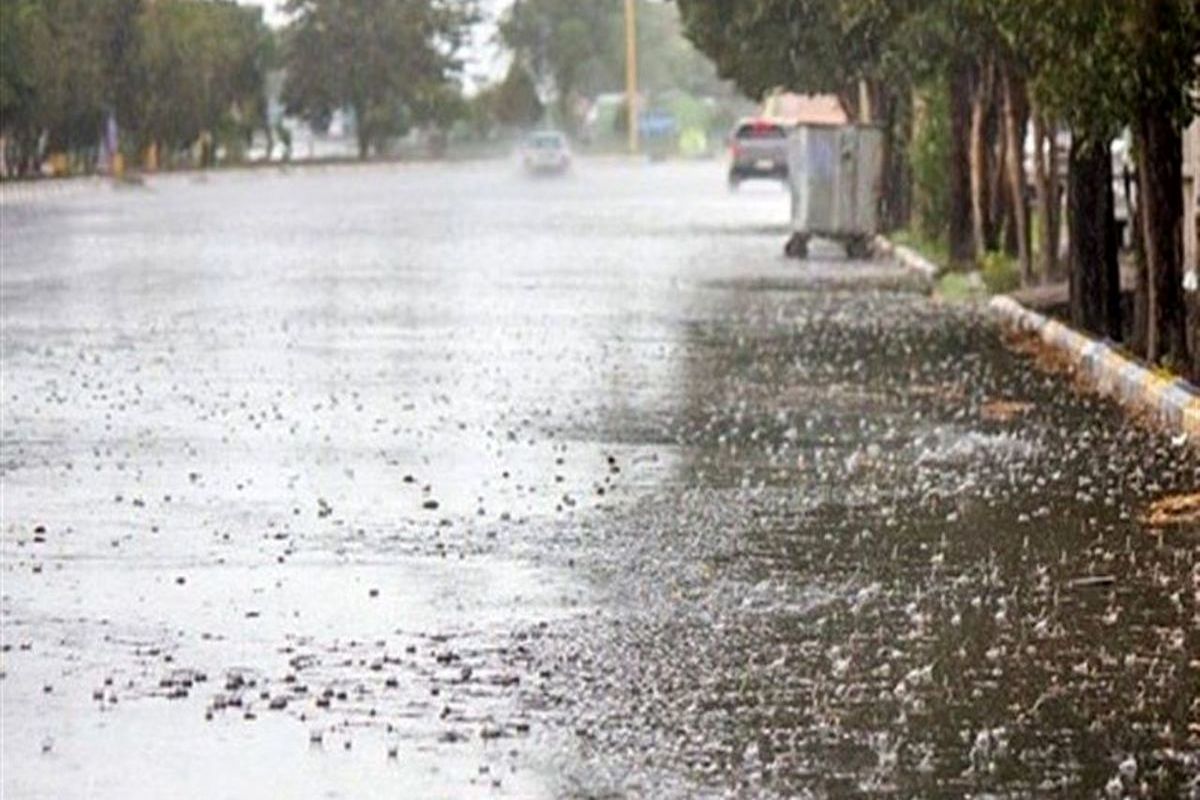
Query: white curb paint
{"x": 908, "y": 258}
{"x": 1175, "y": 402}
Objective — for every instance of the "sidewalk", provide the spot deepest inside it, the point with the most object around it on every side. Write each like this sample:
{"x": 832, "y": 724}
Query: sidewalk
{"x": 1046, "y": 297}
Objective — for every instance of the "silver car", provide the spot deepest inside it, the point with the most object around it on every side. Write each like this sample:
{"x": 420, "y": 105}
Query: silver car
{"x": 757, "y": 149}
{"x": 545, "y": 152}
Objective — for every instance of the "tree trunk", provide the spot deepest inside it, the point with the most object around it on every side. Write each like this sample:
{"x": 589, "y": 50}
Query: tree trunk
{"x": 980, "y": 160}
{"x": 1054, "y": 198}
{"x": 999, "y": 207}
{"x": 270, "y": 149}
{"x": 1193, "y": 304}
{"x": 1160, "y": 168}
{"x": 899, "y": 178}
{"x": 1095, "y": 289}
{"x": 888, "y": 109}
{"x": 887, "y": 190}
{"x": 962, "y": 250}
{"x": 1141, "y": 290}
{"x": 1002, "y": 236}
{"x": 918, "y": 123}
{"x": 866, "y": 106}
{"x": 1041, "y": 185}
{"x": 1046, "y": 171}
{"x": 1010, "y": 242}
{"x": 849, "y": 100}
{"x": 993, "y": 131}
{"x": 362, "y": 132}
{"x": 1015, "y": 112}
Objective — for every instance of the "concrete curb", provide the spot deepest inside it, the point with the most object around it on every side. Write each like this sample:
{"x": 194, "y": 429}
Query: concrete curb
{"x": 26, "y": 191}
{"x": 1174, "y": 402}
{"x": 908, "y": 258}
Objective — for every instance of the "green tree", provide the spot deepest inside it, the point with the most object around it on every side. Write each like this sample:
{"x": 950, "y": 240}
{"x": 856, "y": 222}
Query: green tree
{"x": 568, "y": 46}
{"x": 389, "y": 61}
{"x": 20, "y": 21}
{"x": 172, "y": 72}
{"x": 576, "y": 48}
{"x": 514, "y": 101}
{"x": 1103, "y": 66}
{"x": 1164, "y": 64}
{"x": 120, "y": 45}
{"x": 1097, "y": 66}
{"x": 62, "y": 75}
{"x": 203, "y": 68}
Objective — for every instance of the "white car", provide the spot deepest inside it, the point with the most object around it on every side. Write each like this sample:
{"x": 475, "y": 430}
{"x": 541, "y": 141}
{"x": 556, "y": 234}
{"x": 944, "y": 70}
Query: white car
{"x": 545, "y": 153}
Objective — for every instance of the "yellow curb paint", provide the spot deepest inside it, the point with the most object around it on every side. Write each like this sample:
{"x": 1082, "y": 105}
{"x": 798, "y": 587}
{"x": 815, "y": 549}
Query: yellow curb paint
{"x": 1114, "y": 361}
{"x": 1111, "y": 373}
{"x": 1152, "y": 390}
{"x": 1050, "y": 333}
{"x": 1114, "y": 367}
{"x": 1191, "y": 418}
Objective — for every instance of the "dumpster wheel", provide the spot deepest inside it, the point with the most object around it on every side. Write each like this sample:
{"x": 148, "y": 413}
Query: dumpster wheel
{"x": 858, "y": 247}
{"x": 797, "y": 246}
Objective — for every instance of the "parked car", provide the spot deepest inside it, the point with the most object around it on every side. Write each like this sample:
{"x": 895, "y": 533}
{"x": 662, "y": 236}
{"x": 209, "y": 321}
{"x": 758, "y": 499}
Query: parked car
{"x": 757, "y": 149}
{"x": 545, "y": 153}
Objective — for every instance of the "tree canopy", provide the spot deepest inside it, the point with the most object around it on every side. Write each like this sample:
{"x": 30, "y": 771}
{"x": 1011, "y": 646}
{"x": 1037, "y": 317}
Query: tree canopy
{"x": 576, "y": 48}
{"x": 393, "y": 62}
{"x": 514, "y": 101}
{"x": 166, "y": 71}
{"x": 810, "y": 46}
{"x": 1089, "y": 68}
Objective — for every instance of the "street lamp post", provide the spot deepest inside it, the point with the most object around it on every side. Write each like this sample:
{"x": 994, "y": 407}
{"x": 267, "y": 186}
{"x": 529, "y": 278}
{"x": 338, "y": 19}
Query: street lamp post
{"x": 631, "y": 72}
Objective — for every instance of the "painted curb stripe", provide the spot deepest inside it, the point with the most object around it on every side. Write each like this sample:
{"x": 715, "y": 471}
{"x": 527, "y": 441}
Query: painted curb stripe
{"x": 911, "y": 259}
{"x": 907, "y": 258}
{"x": 1174, "y": 401}
{"x": 1176, "y": 398}
{"x": 1191, "y": 418}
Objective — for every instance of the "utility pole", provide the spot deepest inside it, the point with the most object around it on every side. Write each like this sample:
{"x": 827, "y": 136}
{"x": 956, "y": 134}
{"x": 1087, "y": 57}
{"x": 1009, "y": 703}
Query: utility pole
{"x": 631, "y": 72}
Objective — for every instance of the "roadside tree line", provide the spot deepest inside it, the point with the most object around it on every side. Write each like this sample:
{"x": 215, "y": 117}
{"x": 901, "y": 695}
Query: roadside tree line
{"x": 575, "y": 49}
{"x": 164, "y": 76}
{"x": 170, "y": 83}
{"x": 175, "y": 82}
{"x": 394, "y": 63}
{"x": 960, "y": 85}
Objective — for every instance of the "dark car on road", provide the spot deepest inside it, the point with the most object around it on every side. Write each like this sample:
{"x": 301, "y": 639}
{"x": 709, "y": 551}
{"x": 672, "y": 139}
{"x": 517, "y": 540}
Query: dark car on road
{"x": 757, "y": 149}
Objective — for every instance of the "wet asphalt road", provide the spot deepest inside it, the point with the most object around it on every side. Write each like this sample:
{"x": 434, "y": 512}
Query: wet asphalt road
{"x": 440, "y": 482}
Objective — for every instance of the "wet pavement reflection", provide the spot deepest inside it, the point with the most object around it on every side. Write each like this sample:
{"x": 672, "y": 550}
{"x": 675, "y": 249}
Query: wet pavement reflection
{"x": 440, "y": 481}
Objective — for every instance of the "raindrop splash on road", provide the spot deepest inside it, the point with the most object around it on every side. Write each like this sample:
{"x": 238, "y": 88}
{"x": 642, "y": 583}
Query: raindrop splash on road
{"x": 433, "y": 480}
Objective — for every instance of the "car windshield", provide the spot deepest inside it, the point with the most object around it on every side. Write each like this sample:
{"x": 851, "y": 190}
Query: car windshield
{"x": 760, "y": 130}
{"x": 546, "y": 141}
